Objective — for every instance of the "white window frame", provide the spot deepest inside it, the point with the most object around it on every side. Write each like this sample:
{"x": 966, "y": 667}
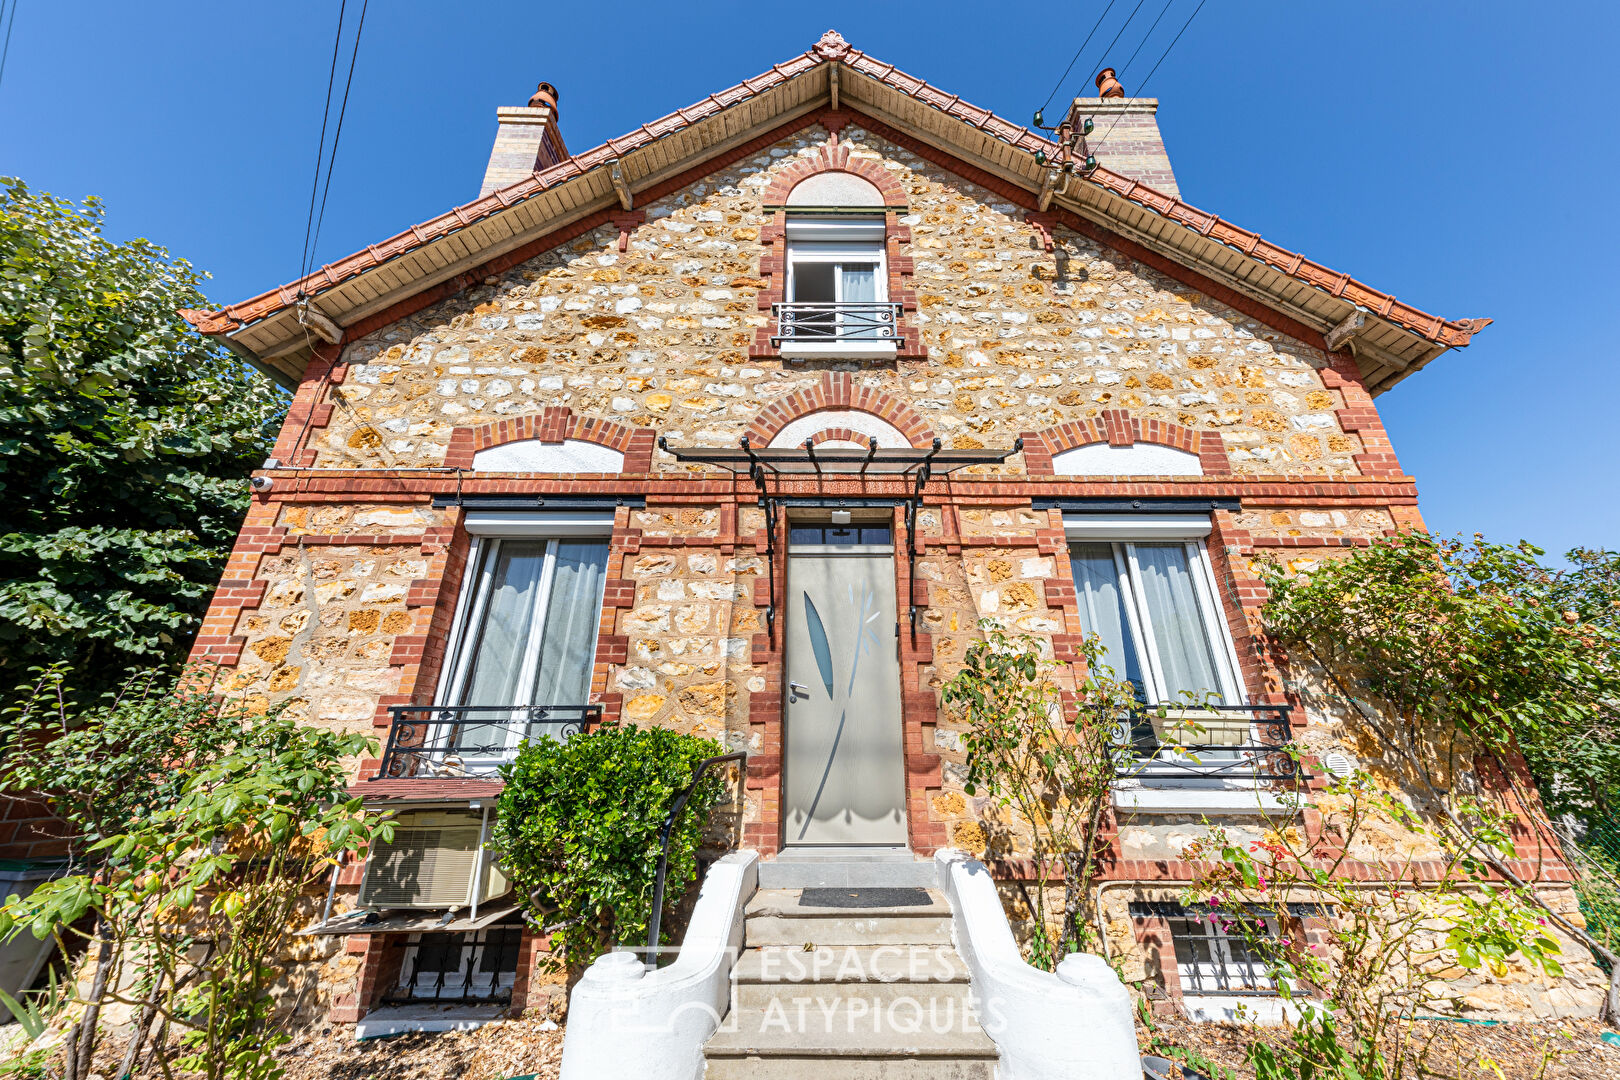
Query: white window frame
{"x": 1165, "y": 790}
{"x": 838, "y": 241}
{"x": 489, "y": 530}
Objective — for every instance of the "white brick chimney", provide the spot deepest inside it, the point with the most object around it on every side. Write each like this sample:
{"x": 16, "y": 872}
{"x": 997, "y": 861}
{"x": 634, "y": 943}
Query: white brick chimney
{"x": 1126, "y": 139}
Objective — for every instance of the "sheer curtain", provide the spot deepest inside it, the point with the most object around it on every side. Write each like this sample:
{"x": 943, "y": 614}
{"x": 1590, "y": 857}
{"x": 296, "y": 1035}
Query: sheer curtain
{"x": 568, "y": 642}
{"x": 859, "y": 286}
{"x": 1102, "y": 609}
{"x": 1185, "y": 657}
{"x": 503, "y": 636}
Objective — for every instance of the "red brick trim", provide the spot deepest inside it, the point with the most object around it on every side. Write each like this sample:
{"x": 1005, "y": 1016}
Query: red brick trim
{"x": 1117, "y": 427}
{"x": 309, "y": 409}
{"x": 833, "y": 157}
{"x": 1359, "y": 416}
{"x": 837, "y": 390}
{"x": 553, "y": 425}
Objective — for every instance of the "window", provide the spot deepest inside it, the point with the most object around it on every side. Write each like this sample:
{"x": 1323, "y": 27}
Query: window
{"x": 1213, "y": 956}
{"x": 476, "y": 966}
{"x": 839, "y": 535}
{"x": 525, "y": 640}
{"x": 1151, "y": 600}
{"x": 837, "y": 282}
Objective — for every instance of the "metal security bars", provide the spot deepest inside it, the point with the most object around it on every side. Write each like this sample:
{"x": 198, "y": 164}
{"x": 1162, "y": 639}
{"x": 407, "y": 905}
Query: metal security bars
{"x": 1237, "y": 742}
{"x": 472, "y": 740}
{"x": 479, "y": 966}
{"x": 820, "y": 321}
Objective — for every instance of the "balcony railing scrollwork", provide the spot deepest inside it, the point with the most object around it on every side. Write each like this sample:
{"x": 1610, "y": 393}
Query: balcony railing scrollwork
{"x": 805, "y": 321}
{"x": 1221, "y": 742}
{"x": 450, "y": 741}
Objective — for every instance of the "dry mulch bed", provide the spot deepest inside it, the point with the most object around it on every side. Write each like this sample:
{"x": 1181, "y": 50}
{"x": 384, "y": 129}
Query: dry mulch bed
{"x": 493, "y": 1052}
{"x": 1546, "y": 1050}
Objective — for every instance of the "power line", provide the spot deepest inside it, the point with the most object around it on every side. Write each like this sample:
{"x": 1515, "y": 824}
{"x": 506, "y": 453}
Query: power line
{"x": 1144, "y": 41}
{"x": 1122, "y": 30}
{"x": 1065, "y": 76}
{"x": 10, "y": 20}
{"x": 343, "y": 108}
{"x": 320, "y": 149}
{"x": 1150, "y": 74}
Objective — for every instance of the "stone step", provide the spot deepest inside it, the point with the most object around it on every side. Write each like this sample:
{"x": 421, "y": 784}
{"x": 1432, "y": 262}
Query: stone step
{"x": 803, "y": 868}
{"x": 851, "y": 1030}
{"x": 775, "y": 917}
{"x": 816, "y": 1066}
{"x": 789, "y": 903}
{"x": 850, "y": 964}
{"x": 943, "y": 998}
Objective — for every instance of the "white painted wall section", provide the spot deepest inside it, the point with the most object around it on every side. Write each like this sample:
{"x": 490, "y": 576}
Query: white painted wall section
{"x": 835, "y": 189}
{"x": 1074, "y": 1024}
{"x": 534, "y": 456}
{"x": 625, "y": 1023}
{"x": 887, "y": 435}
{"x": 1142, "y": 459}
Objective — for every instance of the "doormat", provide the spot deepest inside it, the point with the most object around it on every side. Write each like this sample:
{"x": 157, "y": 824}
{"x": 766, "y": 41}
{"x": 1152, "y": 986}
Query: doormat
{"x": 864, "y": 898}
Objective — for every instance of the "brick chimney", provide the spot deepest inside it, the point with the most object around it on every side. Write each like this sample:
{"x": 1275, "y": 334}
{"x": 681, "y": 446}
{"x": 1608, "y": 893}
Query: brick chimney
{"x": 1126, "y": 139}
{"x": 526, "y": 141}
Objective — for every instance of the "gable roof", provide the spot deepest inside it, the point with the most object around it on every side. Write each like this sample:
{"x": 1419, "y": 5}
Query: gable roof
{"x": 445, "y": 254}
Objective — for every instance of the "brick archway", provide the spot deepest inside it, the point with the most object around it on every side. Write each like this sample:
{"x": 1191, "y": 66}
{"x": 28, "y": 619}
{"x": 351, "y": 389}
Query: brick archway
{"x": 838, "y": 391}
{"x": 1117, "y": 427}
{"x": 553, "y": 425}
{"x": 833, "y": 156}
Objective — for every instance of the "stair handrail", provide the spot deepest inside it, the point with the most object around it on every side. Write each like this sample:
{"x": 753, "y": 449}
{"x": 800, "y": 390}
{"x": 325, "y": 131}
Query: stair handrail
{"x": 654, "y": 924}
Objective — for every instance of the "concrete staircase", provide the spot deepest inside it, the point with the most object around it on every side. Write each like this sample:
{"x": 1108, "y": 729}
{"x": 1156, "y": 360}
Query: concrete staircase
{"x": 850, "y": 983}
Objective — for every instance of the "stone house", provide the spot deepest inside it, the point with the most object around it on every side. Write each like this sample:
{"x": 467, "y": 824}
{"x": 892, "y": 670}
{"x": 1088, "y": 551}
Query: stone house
{"x": 801, "y": 381}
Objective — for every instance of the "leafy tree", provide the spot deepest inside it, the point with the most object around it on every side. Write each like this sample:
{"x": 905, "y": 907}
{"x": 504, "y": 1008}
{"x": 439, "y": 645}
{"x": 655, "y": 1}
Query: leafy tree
{"x": 577, "y": 829}
{"x": 1458, "y": 654}
{"x": 125, "y": 438}
{"x": 1054, "y": 772}
{"x": 200, "y": 842}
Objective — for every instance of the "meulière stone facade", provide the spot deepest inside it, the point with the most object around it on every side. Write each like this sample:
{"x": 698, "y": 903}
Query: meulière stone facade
{"x": 342, "y": 594}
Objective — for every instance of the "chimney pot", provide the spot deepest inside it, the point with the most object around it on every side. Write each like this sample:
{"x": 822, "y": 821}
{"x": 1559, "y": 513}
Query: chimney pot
{"x": 1107, "y": 85}
{"x": 545, "y": 96}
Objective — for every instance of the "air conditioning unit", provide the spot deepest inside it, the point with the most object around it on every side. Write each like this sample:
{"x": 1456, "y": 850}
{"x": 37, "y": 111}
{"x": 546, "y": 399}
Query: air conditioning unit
{"x": 432, "y": 863}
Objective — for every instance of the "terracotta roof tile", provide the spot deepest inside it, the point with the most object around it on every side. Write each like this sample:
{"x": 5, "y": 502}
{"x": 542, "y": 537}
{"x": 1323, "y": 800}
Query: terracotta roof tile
{"x": 1452, "y": 333}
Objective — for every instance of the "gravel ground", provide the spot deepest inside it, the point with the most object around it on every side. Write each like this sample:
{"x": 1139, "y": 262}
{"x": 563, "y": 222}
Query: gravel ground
{"x": 493, "y": 1052}
{"x": 1550, "y": 1050}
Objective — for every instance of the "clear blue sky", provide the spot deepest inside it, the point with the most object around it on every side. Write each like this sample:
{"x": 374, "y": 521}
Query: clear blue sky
{"x": 1457, "y": 154}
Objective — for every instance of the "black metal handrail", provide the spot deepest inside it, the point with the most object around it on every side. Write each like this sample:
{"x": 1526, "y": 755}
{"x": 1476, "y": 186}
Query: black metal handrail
{"x": 803, "y": 320}
{"x": 456, "y": 741}
{"x": 654, "y": 924}
{"x": 1263, "y": 755}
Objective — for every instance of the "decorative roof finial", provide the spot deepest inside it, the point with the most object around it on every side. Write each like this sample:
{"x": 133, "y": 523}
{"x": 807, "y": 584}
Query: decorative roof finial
{"x": 832, "y": 46}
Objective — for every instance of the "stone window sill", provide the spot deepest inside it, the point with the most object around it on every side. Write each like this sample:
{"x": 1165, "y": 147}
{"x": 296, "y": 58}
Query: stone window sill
{"x": 838, "y": 350}
{"x": 1186, "y": 799}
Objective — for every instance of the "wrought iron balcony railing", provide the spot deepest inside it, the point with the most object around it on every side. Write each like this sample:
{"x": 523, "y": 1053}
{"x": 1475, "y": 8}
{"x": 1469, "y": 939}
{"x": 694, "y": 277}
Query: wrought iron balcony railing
{"x": 472, "y": 740}
{"x": 804, "y": 321}
{"x": 1226, "y": 742}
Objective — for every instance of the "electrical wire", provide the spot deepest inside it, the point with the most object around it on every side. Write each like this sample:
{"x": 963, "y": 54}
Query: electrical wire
{"x": 343, "y": 108}
{"x": 1072, "y": 60}
{"x": 1122, "y": 29}
{"x": 10, "y": 19}
{"x": 1150, "y": 74}
{"x": 320, "y": 149}
{"x": 1162, "y": 11}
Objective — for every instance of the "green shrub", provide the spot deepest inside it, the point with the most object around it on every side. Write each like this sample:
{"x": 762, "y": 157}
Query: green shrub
{"x": 577, "y": 831}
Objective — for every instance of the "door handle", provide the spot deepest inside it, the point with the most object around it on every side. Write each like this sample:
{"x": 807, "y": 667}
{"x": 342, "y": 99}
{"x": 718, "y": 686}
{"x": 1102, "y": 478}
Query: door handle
{"x": 796, "y": 691}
